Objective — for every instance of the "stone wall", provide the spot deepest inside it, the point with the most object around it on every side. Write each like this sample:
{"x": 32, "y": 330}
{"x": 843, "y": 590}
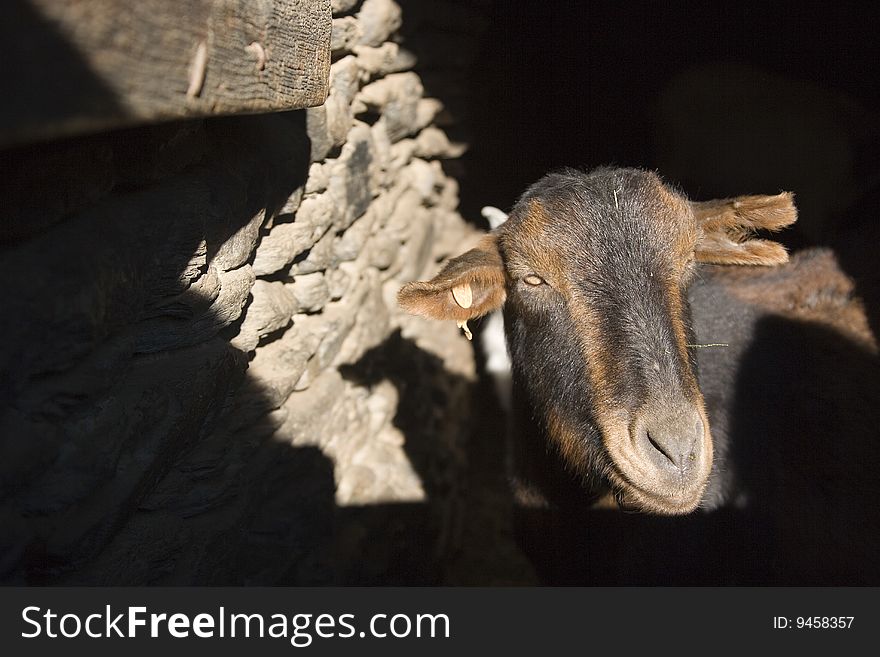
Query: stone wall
{"x": 205, "y": 378}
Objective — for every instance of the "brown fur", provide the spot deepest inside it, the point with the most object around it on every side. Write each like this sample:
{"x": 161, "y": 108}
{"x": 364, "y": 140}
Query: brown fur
{"x": 529, "y": 252}
{"x": 728, "y": 224}
{"x": 481, "y": 268}
{"x": 593, "y": 344}
{"x": 674, "y": 213}
{"x": 812, "y": 287}
{"x": 568, "y": 443}
{"x": 721, "y": 250}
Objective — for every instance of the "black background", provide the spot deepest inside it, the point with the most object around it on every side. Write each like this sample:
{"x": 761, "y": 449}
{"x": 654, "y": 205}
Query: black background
{"x": 577, "y": 83}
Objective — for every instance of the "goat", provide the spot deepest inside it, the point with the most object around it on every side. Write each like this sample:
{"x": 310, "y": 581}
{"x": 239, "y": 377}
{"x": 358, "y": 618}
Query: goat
{"x": 593, "y": 272}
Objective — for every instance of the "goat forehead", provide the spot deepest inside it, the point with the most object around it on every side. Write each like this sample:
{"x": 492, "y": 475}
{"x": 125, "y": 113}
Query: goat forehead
{"x": 628, "y": 211}
{"x": 573, "y": 242}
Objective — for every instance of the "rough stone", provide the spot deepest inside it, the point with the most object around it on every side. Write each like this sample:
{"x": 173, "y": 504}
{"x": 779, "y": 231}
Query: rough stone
{"x": 235, "y": 286}
{"x": 341, "y": 319}
{"x": 310, "y": 292}
{"x": 332, "y": 327}
{"x": 371, "y": 322}
{"x": 184, "y": 321}
{"x": 342, "y": 6}
{"x": 338, "y": 282}
{"x": 285, "y": 242}
{"x": 345, "y": 80}
{"x": 320, "y": 211}
{"x": 383, "y": 251}
{"x": 433, "y": 142}
{"x": 354, "y": 177}
{"x": 402, "y": 154}
{"x": 405, "y": 212}
{"x": 416, "y": 252}
{"x": 278, "y": 365}
{"x": 379, "y": 20}
{"x": 291, "y": 205}
{"x": 451, "y": 237}
{"x": 350, "y": 244}
{"x": 427, "y": 111}
{"x": 313, "y": 411}
{"x": 381, "y": 173}
{"x": 113, "y": 452}
{"x": 449, "y": 195}
{"x": 320, "y": 257}
{"x": 387, "y": 58}
{"x": 318, "y": 131}
{"x": 384, "y": 205}
{"x": 271, "y": 308}
{"x": 396, "y": 98}
{"x": 345, "y": 33}
{"x": 422, "y": 177}
{"x": 235, "y": 251}
{"x": 319, "y": 178}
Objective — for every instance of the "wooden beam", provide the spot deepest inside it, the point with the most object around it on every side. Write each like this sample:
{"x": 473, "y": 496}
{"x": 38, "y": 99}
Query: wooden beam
{"x": 74, "y": 66}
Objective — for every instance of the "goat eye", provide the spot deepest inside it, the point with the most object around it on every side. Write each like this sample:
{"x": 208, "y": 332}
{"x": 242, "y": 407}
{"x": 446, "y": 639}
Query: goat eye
{"x": 533, "y": 280}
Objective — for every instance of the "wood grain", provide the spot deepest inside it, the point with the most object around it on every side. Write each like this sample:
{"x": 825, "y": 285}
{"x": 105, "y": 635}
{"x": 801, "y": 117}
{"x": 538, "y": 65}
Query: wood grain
{"x": 70, "y": 66}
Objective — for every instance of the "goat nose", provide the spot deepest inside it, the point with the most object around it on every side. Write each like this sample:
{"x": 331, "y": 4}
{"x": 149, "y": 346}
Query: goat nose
{"x": 673, "y": 440}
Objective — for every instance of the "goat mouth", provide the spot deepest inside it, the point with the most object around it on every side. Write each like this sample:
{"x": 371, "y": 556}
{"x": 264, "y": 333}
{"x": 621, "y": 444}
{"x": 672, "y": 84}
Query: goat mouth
{"x": 634, "y": 499}
{"x": 679, "y": 498}
{"x": 628, "y": 479}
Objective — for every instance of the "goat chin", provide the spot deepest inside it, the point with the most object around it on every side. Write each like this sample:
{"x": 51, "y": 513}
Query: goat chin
{"x": 498, "y": 364}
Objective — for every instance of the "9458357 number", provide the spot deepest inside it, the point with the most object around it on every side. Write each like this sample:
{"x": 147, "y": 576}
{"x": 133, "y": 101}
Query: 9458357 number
{"x": 813, "y": 622}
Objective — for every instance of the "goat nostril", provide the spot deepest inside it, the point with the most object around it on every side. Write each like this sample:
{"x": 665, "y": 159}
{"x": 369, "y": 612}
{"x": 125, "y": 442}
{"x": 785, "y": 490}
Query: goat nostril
{"x": 670, "y": 443}
{"x": 656, "y": 445}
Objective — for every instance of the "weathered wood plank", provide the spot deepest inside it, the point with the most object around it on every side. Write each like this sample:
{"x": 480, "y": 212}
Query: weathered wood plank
{"x": 69, "y": 67}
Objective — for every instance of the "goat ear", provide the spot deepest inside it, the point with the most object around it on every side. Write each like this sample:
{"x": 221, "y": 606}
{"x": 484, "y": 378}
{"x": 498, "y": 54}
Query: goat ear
{"x": 469, "y": 286}
{"x": 728, "y": 225}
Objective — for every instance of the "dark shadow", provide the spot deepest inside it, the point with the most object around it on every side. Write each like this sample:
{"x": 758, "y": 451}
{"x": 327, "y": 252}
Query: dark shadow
{"x": 39, "y": 66}
{"x": 133, "y": 443}
{"x": 460, "y": 466}
{"x": 805, "y": 442}
{"x": 48, "y": 78}
{"x": 578, "y": 84}
{"x": 424, "y": 387}
{"x": 856, "y": 250}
